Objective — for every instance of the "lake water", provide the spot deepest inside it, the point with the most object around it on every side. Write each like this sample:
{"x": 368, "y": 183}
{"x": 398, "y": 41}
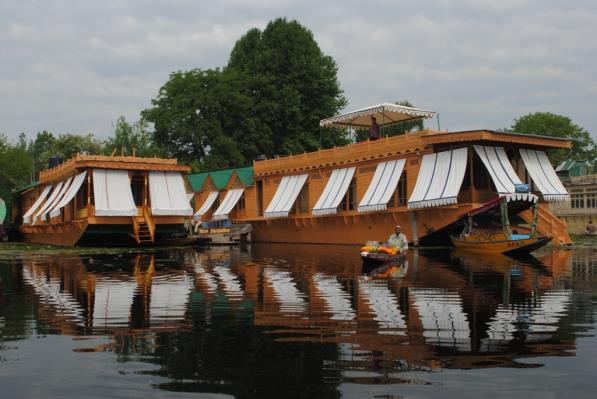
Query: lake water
{"x": 290, "y": 321}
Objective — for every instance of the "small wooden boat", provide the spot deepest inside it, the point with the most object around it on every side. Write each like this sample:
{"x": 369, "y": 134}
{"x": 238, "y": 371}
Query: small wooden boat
{"x": 499, "y": 243}
{"x": 375, "y": 259}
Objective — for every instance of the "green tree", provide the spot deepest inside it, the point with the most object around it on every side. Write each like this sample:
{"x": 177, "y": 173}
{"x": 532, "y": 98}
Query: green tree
{"x": 131, "y": 138}
{"x": 190, "y": 117}
{"x": 292, "y": 84}
{"x": 548, "y": 124}
{"x": 16, "y": 166}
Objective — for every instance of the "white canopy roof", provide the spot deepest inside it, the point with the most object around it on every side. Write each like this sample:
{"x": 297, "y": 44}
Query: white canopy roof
{"x": 385, "y": 114}
{"x": 209, "y": 201}
{"x": 51, "y": 200}
{"x": 168, "y": 194}
{"x": 69, "y": 195}
{"x": 334, "y": 191}
{"x": 502, "y": 173}
{"x": 543, "y": 175}
{"x": 112, "y": 193}
{"x": 382, "y": 186}
{"x": 439, "y": 179}
{"x": 286, "y": 193}
{"x": 36, "y": 204}
{"x": 232, "y": 197}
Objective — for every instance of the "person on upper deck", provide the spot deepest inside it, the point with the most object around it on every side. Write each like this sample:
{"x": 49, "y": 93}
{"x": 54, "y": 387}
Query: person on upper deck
{"x": 374, "y": 130}
{"x": 591, "y": 229}
{"x": 398, "y": 239}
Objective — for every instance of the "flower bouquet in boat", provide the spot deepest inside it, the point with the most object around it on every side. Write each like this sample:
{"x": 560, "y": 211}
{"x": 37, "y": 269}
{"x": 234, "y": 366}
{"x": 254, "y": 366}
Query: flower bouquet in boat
{"x": 376, "y": 252}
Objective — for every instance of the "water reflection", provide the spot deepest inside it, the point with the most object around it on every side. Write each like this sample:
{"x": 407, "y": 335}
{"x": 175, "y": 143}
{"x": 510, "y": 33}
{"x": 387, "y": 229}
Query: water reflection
{"x": 222, "y": 320}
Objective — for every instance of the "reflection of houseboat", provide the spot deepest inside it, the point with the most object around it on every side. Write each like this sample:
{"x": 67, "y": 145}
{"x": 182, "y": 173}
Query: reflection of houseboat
{"x": 424, "y": 181}
{"x": 101, "y": 199}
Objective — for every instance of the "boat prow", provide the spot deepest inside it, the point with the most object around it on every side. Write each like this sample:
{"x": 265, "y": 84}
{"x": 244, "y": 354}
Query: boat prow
{"x": 517, "y": 244}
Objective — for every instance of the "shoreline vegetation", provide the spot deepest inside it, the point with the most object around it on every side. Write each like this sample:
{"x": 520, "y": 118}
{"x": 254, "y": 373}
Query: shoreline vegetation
{"x": 15, "y": 248}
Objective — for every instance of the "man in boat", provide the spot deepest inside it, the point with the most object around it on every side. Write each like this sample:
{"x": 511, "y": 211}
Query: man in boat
{"x": 398, "y": 239}
{"x": 374, "y": 130}
{"x": 591, "y": 229}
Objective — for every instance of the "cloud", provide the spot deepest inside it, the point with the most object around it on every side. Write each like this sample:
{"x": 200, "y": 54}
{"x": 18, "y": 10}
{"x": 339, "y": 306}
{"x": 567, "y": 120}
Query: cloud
{"x": 74, "y": 67}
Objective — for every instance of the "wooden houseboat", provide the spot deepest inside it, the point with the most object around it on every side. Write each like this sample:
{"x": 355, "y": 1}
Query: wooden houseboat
{"x": 105, "y": 200}
{"x": 425, "y": 181}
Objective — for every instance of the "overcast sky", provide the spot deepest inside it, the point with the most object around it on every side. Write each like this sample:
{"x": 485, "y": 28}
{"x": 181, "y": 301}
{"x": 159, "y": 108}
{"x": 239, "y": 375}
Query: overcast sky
{"x": 76, "y": 66}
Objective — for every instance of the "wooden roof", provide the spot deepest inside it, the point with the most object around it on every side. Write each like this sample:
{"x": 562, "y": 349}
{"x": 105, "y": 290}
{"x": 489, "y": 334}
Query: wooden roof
{"x": 79, "y": 161}
{"x": 421, "y": 142}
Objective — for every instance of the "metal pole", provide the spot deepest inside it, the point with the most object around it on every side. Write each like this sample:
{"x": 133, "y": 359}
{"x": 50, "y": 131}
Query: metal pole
{"x": 437, "y": 117}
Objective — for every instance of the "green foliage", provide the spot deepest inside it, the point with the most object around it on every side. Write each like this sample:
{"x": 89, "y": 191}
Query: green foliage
{"x": 548, "y": 124}
{"x": 16, "y": 166}
{"x": 131, "y": 139}
{"x": 190, "y": 116}
{"x": 267, "y": 100}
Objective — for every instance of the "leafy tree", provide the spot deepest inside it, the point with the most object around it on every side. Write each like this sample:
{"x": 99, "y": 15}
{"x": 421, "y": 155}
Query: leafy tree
{"x": 189, "y": 117}
{"x": 15, "y": 168}
{"x": 548, "y": 124}
{"x": 131, "y": 138}
{"x": 293, "y": 86}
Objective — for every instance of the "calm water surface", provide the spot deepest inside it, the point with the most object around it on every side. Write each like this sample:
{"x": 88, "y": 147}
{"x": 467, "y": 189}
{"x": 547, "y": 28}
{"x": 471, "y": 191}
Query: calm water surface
{"x": 291, "y": 321}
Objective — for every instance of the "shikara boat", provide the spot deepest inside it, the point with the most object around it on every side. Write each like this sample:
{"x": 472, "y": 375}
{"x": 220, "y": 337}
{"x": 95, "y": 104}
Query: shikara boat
{"x": 500, "y": 238}
{"x": 500, "y": 243}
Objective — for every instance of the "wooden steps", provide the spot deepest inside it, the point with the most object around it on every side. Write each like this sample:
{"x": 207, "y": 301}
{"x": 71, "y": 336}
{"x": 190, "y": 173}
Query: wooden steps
{"x": 143, "y": 229}
{"x": 549, "y": 224}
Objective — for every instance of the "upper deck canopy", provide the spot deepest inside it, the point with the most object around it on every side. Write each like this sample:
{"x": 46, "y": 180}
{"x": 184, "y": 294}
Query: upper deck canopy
{"x": 385, "y": 114}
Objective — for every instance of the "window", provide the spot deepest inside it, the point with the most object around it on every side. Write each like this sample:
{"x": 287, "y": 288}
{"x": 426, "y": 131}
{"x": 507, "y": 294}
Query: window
{"x": 398, "y": 198}
{"x": 592, "y": 200}
{"x": 240, "y": 205}
{"x": 348, "y": 202}
{"x": 259, "y": 197}
{"x": 301, "y": 205}
{"x": 577, "y": 201}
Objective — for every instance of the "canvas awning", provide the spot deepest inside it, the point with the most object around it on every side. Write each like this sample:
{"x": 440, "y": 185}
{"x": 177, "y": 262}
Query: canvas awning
{"x": 544, "y": 176}
{"x": 168, "y": 194}
{"x": 209, "y": 201}
{"x": 231, "y": 198}
{"x": 385, "y": 114}
{"x": 286, "y": 193}
{"x": 112, "y": 193}
{"x": 334, "y": 191}
{"x": 54, "y": 196}
{"x": 439, "y": 179}
{"x": 69, "y": 195}
{"x": 502, "y": 173}
{"x": 36, "y": 204}
{"x": 382, "y": 186}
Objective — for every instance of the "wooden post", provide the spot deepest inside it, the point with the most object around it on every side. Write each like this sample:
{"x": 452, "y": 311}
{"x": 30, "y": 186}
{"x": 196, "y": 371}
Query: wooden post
{"x": 535, "y": 218}
{"x": 504, "y": 216}
{"x": 471, "y": 158}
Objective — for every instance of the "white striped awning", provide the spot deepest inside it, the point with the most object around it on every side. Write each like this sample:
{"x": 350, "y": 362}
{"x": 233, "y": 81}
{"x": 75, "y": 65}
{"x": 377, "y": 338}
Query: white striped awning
{"x": 231, "y": 198}
{"x": 168, "y": 194}
{"x": 209, "y": 201}
{"x": 285, "y": 196}
{"x": 112, "y": 193}
{"x": 334, "y": 191}
{"x": 439, "y": 179}
{"x": 36, "y": 204}
{"x": 69, "y": 195}
{"x": 543, "y": 175}
{"x": 386, "y": 177}
{"x": 52, "y": 199}
{"x": 502, "y": 173}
